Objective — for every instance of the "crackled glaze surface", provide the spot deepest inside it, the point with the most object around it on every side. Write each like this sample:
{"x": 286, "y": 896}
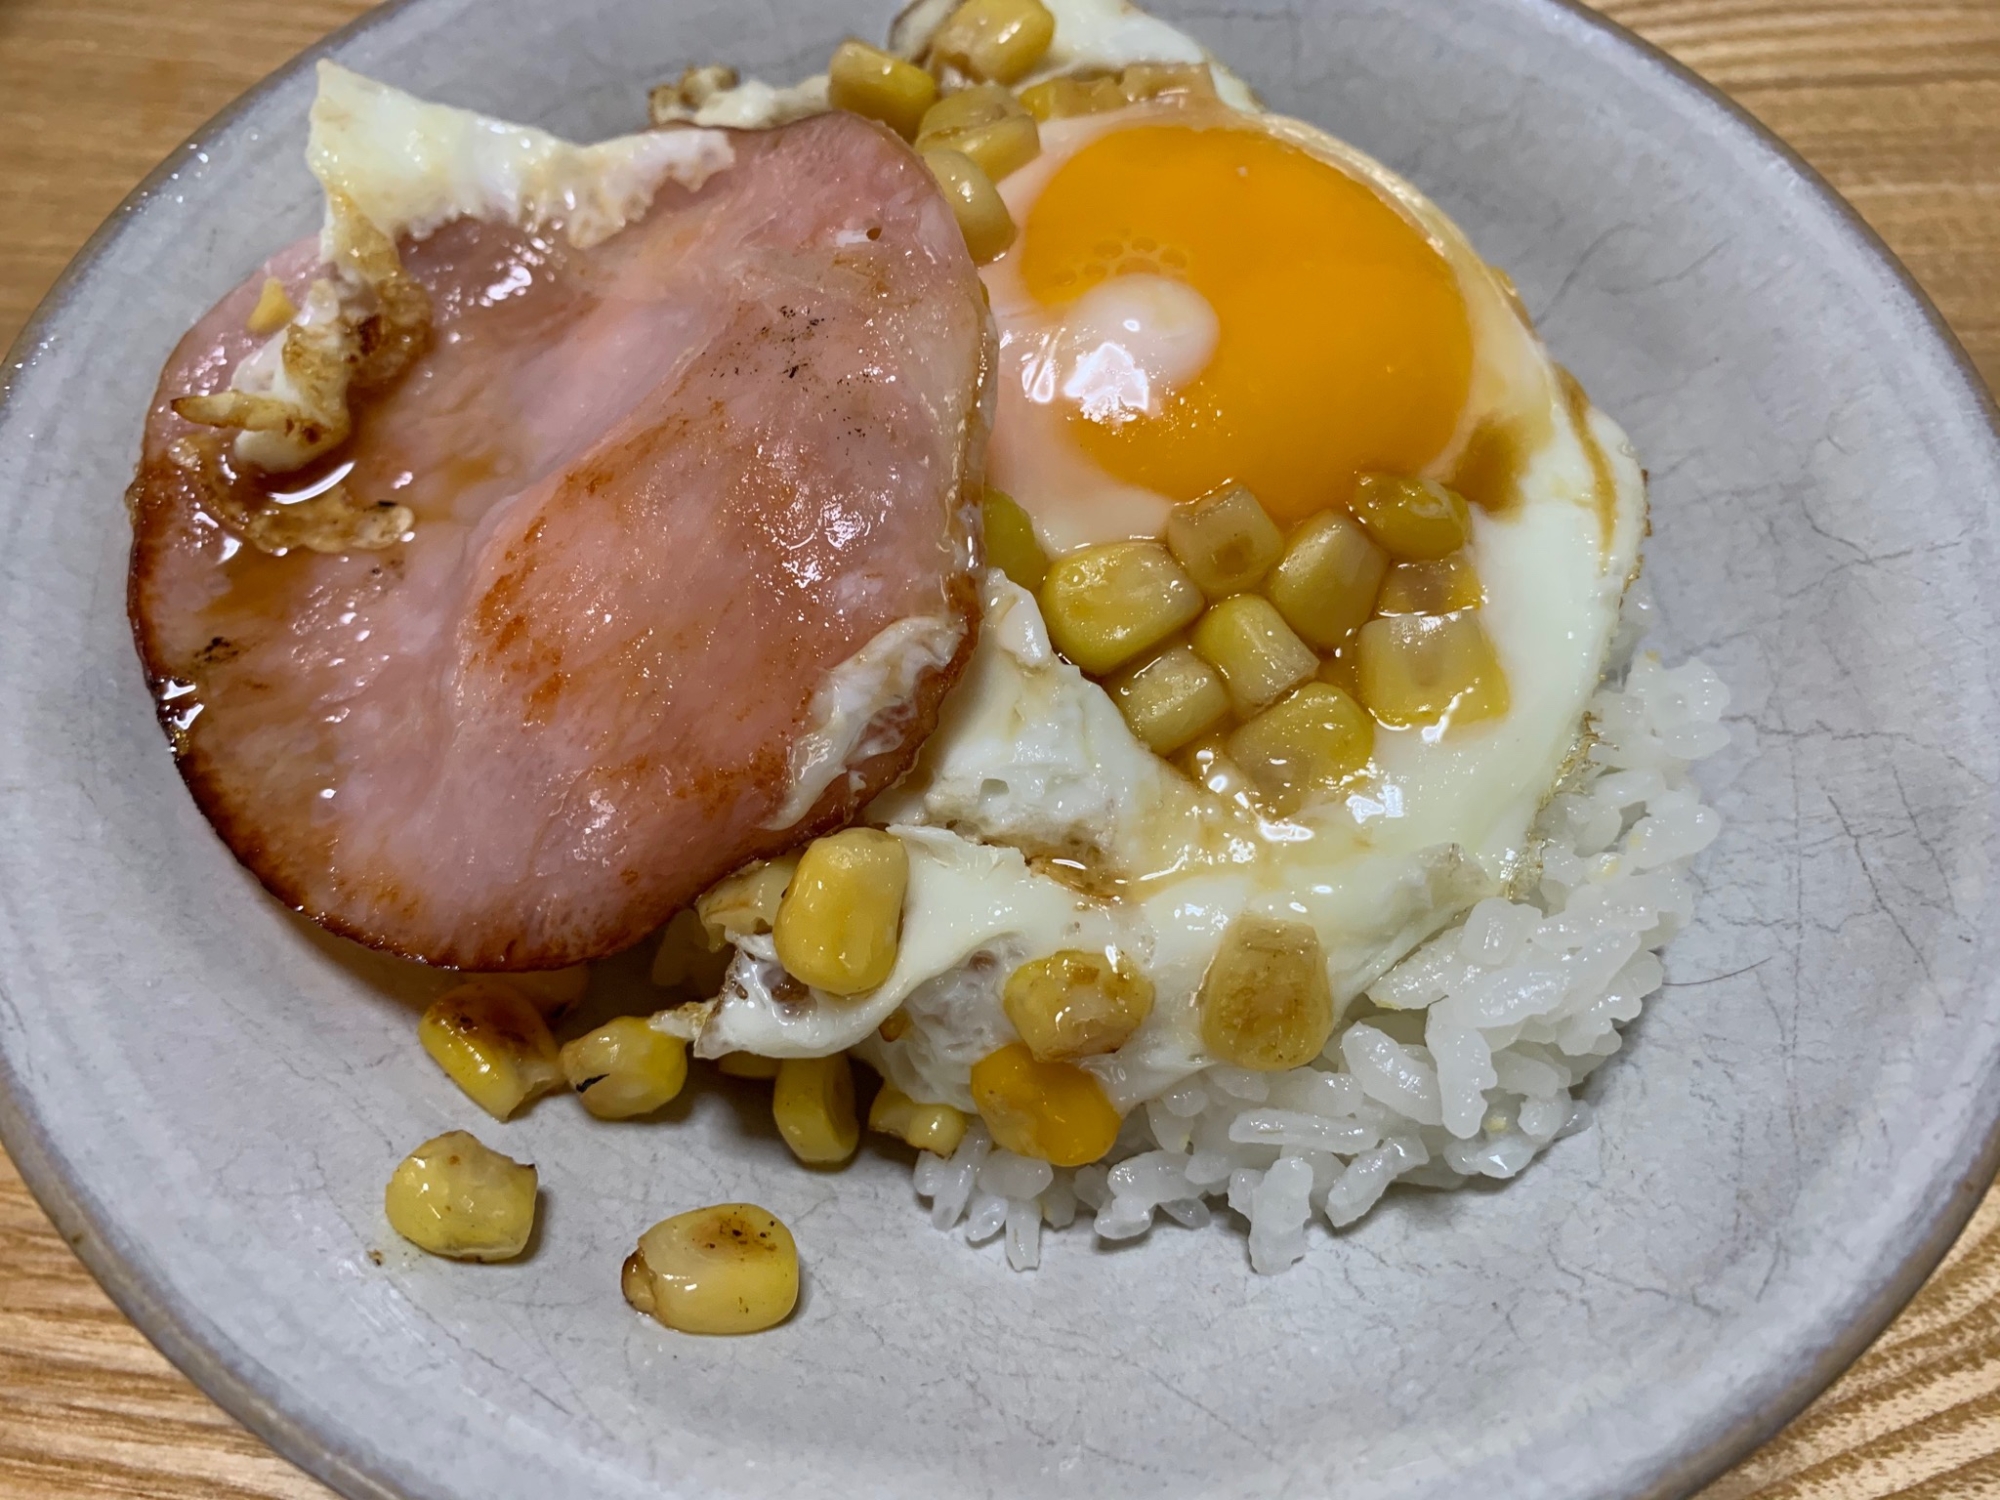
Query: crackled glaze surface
{"x": 1775, "y": 1149}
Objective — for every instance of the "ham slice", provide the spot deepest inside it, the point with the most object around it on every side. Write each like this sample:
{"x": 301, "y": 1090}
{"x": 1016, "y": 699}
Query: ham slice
{"x": 665, "y": 491}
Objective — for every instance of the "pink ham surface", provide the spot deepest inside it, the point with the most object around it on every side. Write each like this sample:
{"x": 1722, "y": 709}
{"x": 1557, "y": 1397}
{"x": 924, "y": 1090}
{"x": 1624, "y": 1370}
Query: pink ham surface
{"x": 661, "y": 488}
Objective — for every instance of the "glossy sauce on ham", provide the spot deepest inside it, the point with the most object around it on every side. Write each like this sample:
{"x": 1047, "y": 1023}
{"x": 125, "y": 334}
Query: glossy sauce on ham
{"x": 661, "y": 489}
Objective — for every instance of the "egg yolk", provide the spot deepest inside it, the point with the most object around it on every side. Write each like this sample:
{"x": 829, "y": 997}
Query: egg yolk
{"x": 1344, "y": 344}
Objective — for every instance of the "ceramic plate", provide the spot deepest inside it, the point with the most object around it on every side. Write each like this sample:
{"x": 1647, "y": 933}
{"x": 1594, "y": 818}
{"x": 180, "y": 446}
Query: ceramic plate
{"x": 208, "y": 1096}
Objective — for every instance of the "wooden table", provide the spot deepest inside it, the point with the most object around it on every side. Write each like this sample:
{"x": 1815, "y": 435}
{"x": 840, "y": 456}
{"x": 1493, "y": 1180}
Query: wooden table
{"x": 1896, "y": 101}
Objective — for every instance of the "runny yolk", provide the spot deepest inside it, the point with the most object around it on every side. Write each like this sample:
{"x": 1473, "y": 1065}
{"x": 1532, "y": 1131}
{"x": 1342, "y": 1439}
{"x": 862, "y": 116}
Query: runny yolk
{"x": 1344, "y": 344}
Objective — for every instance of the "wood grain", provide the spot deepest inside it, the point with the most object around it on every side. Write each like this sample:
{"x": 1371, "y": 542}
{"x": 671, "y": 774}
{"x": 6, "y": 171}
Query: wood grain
{"x": 1896, "y": 101}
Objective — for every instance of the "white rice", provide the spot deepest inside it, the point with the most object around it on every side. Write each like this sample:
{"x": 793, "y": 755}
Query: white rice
{"x": 1464, "y": 1059}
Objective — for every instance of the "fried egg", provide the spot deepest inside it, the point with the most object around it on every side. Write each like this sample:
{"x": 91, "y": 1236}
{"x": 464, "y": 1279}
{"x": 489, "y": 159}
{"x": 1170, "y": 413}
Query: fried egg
{"x": 1204, "y": 295}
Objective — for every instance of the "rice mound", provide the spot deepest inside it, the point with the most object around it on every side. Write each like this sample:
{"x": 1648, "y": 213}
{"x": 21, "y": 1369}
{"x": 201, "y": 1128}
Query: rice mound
{"x": 1461, "y": 1062}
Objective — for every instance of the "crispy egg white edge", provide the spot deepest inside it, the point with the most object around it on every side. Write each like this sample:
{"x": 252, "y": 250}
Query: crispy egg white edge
{"x": 410, "y": 166}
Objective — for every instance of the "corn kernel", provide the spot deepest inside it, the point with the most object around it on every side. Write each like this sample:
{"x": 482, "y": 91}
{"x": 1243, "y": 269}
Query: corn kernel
{"x": 625, "y": 1068}
{"x": 1427, "y": 669}
{"x": 492, "y": 1042}
{"x": 988, "y": 124}
{"x": 894, "y": 1025}
{"x": 813, "y": 1103}
{"x": 1142, "y": 81}
{"x": 1066, "y": 98}
{"x": 868, "y": 81}
{"x": 1171, "y": 699}
{"x": 273, "y": 310}
{"x": 838, "y": 926}
{"x": 998, "y": 148}
{"x": 1073, "y": 1004}
{"x": 1053, "y": 1111}
{"x": 1249, "y": 643}
{"x": 936, "y": 1128}
{"x": 1265, "y": 1003}
{"x": 1311, "y": 741}
{"x": 745, "y": 903}
{"x": 689, "y": 957}
{"x": 554, "y": 991}
{"x": 995, "y": 40}
{"x": 982, "y": 218}
{"x": 1105, "y": 605}
{"x": 1325, "y": 584}
{"x": 1011, "y": 543}
{"x": 1412, "y": 518}
{"x": 1437, "y": 587}
{"x": 1225, "y": 540}
{"x": 732, "y": 1268}
{"x": 1338, "y": 671}
{"x": 1207, "y": 764}
{"x": 746, "y": 1065}
{"x": 961, "y": 109}
{"x": 457, "y": 1197}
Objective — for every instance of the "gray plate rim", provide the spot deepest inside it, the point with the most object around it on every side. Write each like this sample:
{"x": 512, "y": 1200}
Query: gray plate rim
{"x": 234, "y": 1381}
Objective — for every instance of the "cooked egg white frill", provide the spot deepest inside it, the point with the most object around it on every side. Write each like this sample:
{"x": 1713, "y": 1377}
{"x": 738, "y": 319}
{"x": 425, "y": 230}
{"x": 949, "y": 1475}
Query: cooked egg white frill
{"x": 1202, "y": 297}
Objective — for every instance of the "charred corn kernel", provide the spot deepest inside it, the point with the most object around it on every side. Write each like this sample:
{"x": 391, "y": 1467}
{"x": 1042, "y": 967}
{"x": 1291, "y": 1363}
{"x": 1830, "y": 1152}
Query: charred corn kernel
{"x": 1437, "y": 587}
{"x": 732, "y": 1268}
{"x": 746, "y": 1065}
{"x": 1171, "y": 699}
{"x": 1075, "y": 1004}
{"x": 1412, "y": 518}
{"x": 1065, "y": 98}
{"x": 273, "y": 310}
{"x": 936, "y": 1128}
{"x": 1154, "y": 80}
{"x": 746, "y": 903}
{"x": 988, "y": 124}
{"x": 1249, "y": 643}
{"x": 1425, "y": 669}
{"x": 492, "y": 1042}
{"x": 842, "y": 915}
{"x": 1011, "y": 543}
{"x": 689, "y": 956}
{"x": 982, "y": 218}
{"x": 1310, "y": 741}
{"x": 1264, "y": 1002}
{"x": 625, "y": 1068}
{"x": 813, "y": 1103}
{"x": 1105, "y": 605}
{"x": 554, "y": 991}
{"x": 868, "y": 81}
{"x": 995, "y": 40}
{"x": 1053, "y": 1111}
{"x": 1325, "y": 584}
{"x": 1224, "y": 540}
{"x": 457, "y": 1197}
